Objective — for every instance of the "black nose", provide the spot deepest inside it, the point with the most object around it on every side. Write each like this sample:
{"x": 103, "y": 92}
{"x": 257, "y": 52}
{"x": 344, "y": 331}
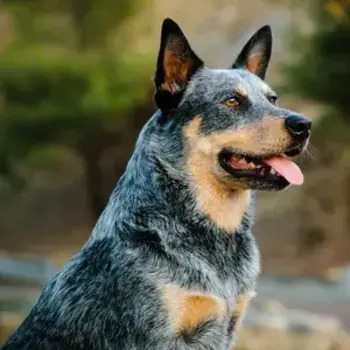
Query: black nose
{"x": 299, "y": 126}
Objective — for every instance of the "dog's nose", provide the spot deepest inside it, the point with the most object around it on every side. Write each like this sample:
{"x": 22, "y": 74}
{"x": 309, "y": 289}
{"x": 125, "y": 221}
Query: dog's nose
{"x": 298, "y": 125}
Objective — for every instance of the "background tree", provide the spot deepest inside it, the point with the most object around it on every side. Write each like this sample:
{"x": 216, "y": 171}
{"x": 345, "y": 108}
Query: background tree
{"x": 320, "y": 70}
{"x": 63, "y": 84}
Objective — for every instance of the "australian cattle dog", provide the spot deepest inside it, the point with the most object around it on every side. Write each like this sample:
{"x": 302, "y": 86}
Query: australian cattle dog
{"x": 172, "y": 263}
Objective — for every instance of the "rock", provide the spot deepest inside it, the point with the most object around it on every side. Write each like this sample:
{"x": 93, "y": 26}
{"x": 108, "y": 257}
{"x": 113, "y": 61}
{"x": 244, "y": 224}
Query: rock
{"x": 303, "y": 321}
{"x": 274, "y": 315}
{"x": 273, "y": 307}
{"x": 267, "y": 314}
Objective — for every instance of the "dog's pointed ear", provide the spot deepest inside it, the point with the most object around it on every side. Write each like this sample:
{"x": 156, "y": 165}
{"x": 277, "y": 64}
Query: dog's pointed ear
{"x": 256, "y": 54}
{"x": 175, "y": 66}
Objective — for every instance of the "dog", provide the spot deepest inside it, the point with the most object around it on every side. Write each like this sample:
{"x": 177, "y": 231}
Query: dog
{"x": 172, "y": 262}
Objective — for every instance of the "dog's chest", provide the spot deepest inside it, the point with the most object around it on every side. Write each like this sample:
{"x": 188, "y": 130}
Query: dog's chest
{"x": 223, "y": 286}
{"x": 231, "y": 269}
{"x": 188, "y": 308}
{"x": 193, "y": 314}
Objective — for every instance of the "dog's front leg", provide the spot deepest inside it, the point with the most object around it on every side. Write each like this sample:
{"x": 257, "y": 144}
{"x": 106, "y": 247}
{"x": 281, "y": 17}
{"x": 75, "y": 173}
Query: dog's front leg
{"x": 197, "y": 321}
{"x": 241, "y": 305}
{"x": 209, "y": 335}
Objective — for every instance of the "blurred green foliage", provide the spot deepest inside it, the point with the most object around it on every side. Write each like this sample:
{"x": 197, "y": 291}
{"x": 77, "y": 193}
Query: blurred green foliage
{"x": 85, "y": 23}
{"x": 47, "y": 96}
{"x": 62, "y": 82}
{"x": 321, "y": 69}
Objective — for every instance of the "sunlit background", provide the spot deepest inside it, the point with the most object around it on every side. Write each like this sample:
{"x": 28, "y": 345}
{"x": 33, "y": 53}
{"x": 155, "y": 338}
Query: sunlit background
{"x": 75, "y": 89}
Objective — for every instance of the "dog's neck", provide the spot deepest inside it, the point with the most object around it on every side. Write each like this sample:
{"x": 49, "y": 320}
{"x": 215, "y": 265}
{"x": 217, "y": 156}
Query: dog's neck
{"x": 154, "y": 197}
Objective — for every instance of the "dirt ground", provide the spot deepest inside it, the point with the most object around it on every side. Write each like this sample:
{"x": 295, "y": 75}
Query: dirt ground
{"x": 265, "y": 339}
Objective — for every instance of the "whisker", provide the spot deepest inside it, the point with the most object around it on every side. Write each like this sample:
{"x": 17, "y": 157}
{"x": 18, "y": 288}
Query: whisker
{"x": 307, "y": 154}
{"x": 309, "y": 151}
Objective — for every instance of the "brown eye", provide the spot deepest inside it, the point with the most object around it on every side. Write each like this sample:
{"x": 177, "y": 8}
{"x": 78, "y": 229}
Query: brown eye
{"x": 231, "y": 102}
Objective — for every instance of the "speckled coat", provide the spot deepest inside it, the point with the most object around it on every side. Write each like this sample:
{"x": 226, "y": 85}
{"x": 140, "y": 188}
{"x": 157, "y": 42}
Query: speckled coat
{"x": 172, "y": 262}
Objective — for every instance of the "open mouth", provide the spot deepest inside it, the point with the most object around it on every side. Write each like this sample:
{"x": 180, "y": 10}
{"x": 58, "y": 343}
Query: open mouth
{"x": 270, "y": 171}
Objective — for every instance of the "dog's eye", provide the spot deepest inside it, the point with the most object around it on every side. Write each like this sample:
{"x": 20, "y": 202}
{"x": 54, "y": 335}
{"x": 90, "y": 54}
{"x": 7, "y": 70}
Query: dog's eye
{"x": 273, "y": 99}
{"x": 231, "y": 102}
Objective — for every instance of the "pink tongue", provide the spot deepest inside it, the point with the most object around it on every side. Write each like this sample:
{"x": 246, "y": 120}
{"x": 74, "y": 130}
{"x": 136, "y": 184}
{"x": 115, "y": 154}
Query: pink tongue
{"x": 289, "y": 170}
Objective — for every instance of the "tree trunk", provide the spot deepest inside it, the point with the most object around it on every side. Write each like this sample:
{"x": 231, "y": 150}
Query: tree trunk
{"x": 79, "y": 10}
{"x": 94, "y": 184}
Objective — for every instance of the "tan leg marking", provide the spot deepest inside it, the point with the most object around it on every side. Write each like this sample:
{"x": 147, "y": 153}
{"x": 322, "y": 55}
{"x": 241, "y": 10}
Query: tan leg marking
{"x": 241, "y": 306}
{"x": 188, "y": 309}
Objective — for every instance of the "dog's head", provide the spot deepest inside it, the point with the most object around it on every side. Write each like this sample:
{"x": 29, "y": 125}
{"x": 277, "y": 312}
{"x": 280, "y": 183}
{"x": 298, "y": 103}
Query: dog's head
{"x": 233, "y": 132}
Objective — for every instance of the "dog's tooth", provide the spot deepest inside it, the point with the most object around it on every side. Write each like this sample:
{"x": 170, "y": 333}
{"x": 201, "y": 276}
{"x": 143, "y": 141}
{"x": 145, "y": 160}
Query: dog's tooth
{"x": 242, "y": 160}
{"x": 251, "y": 165}
{"x": 273, "y": 171}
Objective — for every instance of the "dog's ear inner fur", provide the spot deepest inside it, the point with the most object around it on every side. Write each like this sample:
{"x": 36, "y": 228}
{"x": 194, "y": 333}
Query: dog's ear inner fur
{"x": 175, "y": 66}
{"x": 256, "y": 54}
